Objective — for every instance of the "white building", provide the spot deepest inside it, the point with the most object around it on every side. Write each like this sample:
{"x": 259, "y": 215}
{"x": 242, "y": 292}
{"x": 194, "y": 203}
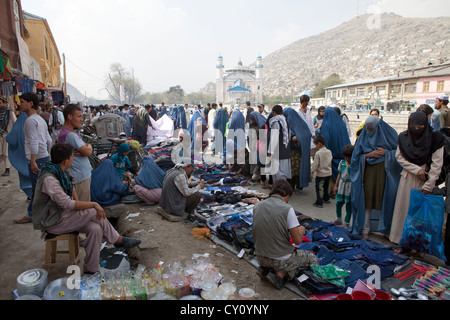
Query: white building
{"x": 239, "y": 84}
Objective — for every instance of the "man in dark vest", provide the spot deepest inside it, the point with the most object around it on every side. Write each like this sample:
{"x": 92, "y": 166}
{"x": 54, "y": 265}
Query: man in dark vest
{"x": 179, "y": 197}
{"x": 274, "y": 225}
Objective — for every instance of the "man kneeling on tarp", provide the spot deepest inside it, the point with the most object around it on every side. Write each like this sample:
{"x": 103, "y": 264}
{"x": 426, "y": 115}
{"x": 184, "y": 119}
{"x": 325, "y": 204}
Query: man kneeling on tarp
{"x": 274, "y": 225}
{"x": 179, "y": 197}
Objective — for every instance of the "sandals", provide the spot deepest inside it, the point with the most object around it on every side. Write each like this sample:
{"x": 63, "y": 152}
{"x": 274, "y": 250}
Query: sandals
{"x": 24, "y": 220}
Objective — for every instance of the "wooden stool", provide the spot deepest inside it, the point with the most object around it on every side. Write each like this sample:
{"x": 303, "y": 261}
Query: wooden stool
{"x": 51, "y": 251}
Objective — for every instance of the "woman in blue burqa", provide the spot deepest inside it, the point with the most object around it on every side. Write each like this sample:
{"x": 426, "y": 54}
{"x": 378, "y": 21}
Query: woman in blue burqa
{"x": 220, "y": 125}
{"x": 197, "y": 128}
{"x": 334, "y": 130}
{"x": 16, "y": 153}
{"x": 162, "y": 112}
{"x": 375, "y": 176}
{"x": 236, "y": 129}
{"x": 301, "y": 139}
{"x": 180, "y": 118}
{"x": 106, "y": 187}
{"x": 149, "y": 182}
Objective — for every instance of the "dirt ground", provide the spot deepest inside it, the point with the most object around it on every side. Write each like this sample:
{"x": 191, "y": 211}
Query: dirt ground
{"x": 22, "y": 248}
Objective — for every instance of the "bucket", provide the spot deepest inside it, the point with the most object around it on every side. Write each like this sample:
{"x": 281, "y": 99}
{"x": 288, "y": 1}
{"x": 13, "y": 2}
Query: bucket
{"x": 344, "y": 296}
{"x": 361, "y": 295}
{"x": 382, "y": 295}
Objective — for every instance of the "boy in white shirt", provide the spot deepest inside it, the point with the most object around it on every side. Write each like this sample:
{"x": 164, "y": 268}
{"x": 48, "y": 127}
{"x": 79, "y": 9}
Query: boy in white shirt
{"x": 322, "y": 166}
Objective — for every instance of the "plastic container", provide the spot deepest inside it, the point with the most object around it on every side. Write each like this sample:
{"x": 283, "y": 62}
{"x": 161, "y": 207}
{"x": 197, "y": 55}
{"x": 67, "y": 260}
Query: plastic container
{"x": 382, "y": 295}
{"x": 344, "y": 296}
{"x": 361, "y": 295}
{"x": 247, "y": 294}
{"x": 32, "y": 282}
{"x": 58, "y": 290}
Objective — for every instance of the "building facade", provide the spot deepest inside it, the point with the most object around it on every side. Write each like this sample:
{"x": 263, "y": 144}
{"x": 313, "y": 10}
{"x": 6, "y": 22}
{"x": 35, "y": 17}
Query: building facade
{"x": 11, "y": 29}
{"x": 405, "y": 91}
{"x": 43, "y": 48}
{"x": 240, "y": 84}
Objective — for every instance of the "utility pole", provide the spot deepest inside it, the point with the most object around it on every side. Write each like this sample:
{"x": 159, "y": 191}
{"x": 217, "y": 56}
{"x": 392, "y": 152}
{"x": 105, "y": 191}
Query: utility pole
{"x": 65, "y": 75}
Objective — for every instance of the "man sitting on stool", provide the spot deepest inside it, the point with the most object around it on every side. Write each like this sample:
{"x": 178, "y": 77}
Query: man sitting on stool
{"x": 179, "y": 197}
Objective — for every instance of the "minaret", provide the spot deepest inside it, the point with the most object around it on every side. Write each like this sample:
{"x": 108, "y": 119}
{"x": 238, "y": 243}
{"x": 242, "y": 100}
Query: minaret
{"x": 259, "y": 68}
{"x": 220, "y": 67}
{"x": 220, "y": 94}
{"x": 259, "y": 80}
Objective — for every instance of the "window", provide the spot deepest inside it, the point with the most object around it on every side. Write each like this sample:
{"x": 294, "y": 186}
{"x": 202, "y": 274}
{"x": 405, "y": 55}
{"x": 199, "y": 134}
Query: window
{"x": 426, "y": 87}
{"x": 46, "y": 48}
{"x": 381, "y": 90}
{"x": 370, "y": 90}
{"x": 361, "y": 92}
{"x": 352, "y": 92}
{"x": 440, "y": 87}
{"x": 410, "y": 88}
{"x": 17, "y": 17}
{"x": 344, "y": 93}
{"x": 396, "y": 88}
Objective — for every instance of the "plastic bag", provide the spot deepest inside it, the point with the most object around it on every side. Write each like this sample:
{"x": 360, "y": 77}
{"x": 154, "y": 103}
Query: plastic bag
{"x": 423, "y": 227}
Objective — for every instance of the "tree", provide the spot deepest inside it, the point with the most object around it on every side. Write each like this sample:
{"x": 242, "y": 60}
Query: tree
{"x": 119, "y": 77}
{"x": 332, "y": 80}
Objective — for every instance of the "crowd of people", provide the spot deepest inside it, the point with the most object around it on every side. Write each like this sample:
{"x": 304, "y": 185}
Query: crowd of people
{"x": 282, "y": 148}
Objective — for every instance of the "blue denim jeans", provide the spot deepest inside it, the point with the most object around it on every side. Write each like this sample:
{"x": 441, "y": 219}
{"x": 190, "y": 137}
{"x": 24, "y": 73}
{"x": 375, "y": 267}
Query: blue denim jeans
{"x": 33, "y": 178}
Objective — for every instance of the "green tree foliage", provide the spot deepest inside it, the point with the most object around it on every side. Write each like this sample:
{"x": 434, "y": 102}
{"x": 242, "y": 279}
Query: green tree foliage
{"x": 332, "y": 80}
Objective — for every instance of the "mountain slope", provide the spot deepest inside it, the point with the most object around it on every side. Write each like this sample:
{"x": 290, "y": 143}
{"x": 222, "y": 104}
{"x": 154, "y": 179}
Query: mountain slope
{"x": 355, "y": 51}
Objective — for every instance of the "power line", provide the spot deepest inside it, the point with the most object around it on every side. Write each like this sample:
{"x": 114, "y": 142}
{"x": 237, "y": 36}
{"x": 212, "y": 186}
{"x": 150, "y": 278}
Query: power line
{"x": 84, "y": 70}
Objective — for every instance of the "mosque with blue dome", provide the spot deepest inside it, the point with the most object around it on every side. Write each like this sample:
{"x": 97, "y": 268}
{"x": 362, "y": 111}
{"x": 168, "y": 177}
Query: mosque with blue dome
{"x": 239, "y": 84}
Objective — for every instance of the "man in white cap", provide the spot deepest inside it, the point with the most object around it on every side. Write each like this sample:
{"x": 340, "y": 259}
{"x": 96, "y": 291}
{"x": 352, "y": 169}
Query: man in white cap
{"x": 442, "y": 106}
{"x": 179, "y": 197}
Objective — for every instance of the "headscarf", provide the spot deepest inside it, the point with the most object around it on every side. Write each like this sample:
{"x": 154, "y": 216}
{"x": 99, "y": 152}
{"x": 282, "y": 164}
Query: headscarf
{"x": 300, "y": 129}
{"x": 151, "y": 176}
{"x": 319, "y": 116}
{"x": 124, "y": 147}
{"x": 284, "y": 128}
{"x": 417, "y": 146}
{"x": 371, "y": 124}
{"x": 260, "y": 119}
{"x": 334, "y": 130}
{"x": 56, "y": 170}
{"x": 384, "y": 136}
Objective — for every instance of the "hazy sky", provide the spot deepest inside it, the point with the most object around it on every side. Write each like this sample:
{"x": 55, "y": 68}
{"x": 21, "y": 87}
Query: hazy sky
{"x": 177, "y": 42}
